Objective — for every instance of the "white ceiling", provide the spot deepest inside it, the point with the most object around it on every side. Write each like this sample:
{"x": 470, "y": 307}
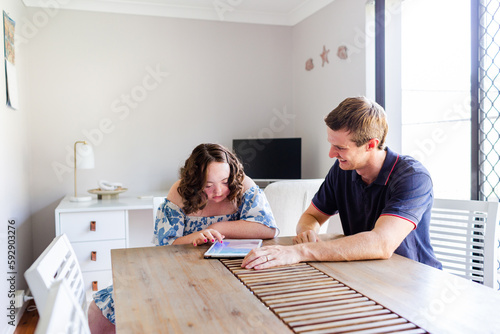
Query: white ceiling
{"x": 275, "y": 12}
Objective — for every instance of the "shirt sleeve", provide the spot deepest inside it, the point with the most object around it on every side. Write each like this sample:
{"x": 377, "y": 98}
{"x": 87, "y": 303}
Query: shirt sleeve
{"x": 169, "y": 224}
{"x": 256, "y": 208}
{"x": 324, "y": 200}
{"x": 410, "y": 198}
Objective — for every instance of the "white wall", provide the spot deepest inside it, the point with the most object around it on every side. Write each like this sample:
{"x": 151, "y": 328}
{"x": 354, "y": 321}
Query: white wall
{"x": 90, "y": 78}
{"x": 319, "y": 91}
{"x": 87, "y": 75}
{"x": 14, "y": 173}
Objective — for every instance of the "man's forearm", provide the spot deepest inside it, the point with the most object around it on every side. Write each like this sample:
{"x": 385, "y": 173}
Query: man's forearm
{"x": 307, "y": 222}
{"x": 356, "y": 247}
{"x": 361, "y": 246}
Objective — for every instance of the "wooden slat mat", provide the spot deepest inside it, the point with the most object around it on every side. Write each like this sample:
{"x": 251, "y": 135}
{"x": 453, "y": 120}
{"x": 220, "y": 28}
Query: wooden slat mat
{"x": 309, "y": 301}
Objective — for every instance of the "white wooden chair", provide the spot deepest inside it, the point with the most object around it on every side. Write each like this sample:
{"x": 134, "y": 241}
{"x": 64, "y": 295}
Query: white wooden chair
{"x": 289, "y": 199}
{"x": 464, "y": 235}
{"x": 57, "y": 262}
{"x": 62, "y": 313}
{"x": 157, "y": 201}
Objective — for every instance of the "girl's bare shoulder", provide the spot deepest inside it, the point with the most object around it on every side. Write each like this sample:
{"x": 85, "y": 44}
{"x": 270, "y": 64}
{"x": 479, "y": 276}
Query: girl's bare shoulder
{"x": 248, "y": 183}
{"x": 173, "y": 195}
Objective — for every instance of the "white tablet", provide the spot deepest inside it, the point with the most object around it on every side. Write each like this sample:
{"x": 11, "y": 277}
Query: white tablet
{"x": 232, "y": 248}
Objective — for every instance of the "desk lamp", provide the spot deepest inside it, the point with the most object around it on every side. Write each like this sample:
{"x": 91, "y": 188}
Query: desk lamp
{"x": 84, "y": 159}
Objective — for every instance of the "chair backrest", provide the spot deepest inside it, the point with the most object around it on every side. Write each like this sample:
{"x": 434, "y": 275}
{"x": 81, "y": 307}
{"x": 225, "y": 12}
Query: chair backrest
{"x": 62, "y": 313}
{"x": 289, "y": 199}
{"x": 57, "y": 262}
{"x": 463, "y": 235}
{"x": 157, "y": 201}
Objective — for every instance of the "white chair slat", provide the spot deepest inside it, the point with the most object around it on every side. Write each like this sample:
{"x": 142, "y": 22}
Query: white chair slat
{"x": 455, "y": 237}
{"x": 462, "y": 257}
{"x": 464, "y": 262}
{"x": 57, "y": 262}
{"x": 464, "y": 237}
{"x": 62, "y": 313}
{"x": 463, "y": 227}
{"x": 456, "y": 245}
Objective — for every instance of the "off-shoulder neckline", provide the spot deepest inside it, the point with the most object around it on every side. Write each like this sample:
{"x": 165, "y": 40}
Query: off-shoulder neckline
{"x": 175, "y": 206}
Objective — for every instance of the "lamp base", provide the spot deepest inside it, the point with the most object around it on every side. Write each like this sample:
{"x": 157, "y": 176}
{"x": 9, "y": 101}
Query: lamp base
{"x": 80, "y": 198}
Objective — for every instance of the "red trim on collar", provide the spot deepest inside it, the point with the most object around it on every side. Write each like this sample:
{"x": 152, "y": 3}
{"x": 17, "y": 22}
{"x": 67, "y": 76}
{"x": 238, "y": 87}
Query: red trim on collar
{"x": 395, "y": 162}
{"x": 390, "y": 214}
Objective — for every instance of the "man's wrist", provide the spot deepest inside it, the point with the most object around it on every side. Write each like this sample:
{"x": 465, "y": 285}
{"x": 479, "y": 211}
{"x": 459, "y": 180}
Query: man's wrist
{"x": 304, "y": 252}
{"x": 304, "y": 227}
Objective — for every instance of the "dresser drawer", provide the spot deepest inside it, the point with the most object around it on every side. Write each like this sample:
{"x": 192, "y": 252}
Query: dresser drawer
{"x": 108, "y": 225}
{"x": 102, "y": 278}
{"x": 101, "y": 259}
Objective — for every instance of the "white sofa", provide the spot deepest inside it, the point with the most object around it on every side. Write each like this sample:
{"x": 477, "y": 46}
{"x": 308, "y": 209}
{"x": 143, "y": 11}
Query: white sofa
{"x": 289, "y": 199}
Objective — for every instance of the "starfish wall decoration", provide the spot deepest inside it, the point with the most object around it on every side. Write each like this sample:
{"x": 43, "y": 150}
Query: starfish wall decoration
{"x": 324, "y": 56}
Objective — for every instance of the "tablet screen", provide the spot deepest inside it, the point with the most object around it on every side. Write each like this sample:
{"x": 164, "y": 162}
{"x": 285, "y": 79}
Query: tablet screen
{"x": 232, "y": 248}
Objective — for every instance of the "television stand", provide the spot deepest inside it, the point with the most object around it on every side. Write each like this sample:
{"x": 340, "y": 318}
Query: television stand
{"x": 263, "y": 183}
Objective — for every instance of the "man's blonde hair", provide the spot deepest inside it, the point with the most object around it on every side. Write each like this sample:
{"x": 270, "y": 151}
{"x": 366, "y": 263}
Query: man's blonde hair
{"x": 363, "y": 118}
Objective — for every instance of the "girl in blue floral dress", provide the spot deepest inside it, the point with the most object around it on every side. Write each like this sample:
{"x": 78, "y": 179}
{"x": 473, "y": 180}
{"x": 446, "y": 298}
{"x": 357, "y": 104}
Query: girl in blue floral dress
{"x": 213, "y": 200}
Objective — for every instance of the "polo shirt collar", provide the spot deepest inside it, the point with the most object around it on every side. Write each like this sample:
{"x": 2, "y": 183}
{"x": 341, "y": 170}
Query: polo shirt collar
{"x": 390, "y": 161}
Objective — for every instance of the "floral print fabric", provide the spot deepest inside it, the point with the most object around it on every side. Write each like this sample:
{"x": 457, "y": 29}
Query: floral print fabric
{"x": 171, "y": 223}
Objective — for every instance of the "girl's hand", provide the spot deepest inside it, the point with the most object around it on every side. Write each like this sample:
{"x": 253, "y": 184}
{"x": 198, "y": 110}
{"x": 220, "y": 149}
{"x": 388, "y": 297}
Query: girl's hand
{"x": 207, "y": 235}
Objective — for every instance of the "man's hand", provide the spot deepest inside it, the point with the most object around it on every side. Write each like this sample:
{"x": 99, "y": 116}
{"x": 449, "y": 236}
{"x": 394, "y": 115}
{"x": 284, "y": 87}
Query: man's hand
{"x": 271, "y": 256}
{"x": 306, "y": 236}
{"x": 309, "y": 225}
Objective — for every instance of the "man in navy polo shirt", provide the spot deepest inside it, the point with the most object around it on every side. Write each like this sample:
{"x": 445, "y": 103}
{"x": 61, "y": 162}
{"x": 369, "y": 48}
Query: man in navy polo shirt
{"x": 384, "y": 199}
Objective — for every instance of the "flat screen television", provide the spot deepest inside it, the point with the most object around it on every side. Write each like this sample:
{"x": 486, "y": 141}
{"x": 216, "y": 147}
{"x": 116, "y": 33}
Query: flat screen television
{"x": 270, "y": 158}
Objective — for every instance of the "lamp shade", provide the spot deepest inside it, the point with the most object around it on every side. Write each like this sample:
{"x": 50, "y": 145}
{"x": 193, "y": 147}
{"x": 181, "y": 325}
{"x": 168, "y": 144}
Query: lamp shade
{"x": 84, "y": 156}
{"x": 84, "y": 159}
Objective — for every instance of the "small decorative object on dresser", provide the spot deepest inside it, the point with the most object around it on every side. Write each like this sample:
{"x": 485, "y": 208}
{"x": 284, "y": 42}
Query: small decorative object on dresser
{"x": 108, "y": 190}
{"x": 107, "y": 194}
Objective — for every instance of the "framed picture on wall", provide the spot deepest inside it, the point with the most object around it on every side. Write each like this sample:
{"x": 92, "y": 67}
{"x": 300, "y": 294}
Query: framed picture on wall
{"x": 10, "y": 61}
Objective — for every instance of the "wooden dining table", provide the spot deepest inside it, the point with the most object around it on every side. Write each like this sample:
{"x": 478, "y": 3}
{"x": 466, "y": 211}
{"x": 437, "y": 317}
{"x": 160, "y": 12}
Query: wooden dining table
{"x": 173, "y": 289}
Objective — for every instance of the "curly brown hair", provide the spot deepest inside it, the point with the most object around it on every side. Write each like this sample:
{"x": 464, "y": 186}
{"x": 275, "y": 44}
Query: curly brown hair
{"x": 194, "y": 176}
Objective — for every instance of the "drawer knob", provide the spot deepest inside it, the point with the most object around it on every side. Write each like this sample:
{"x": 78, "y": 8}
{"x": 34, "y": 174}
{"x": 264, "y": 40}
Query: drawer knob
{"x": 93, "y": 225}
{"x": 94, "y": 286}
{"x": 93, "y": 256}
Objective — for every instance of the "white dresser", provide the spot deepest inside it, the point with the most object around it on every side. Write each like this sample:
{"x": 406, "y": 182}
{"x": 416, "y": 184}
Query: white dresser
{"x": 96, "y": 227}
